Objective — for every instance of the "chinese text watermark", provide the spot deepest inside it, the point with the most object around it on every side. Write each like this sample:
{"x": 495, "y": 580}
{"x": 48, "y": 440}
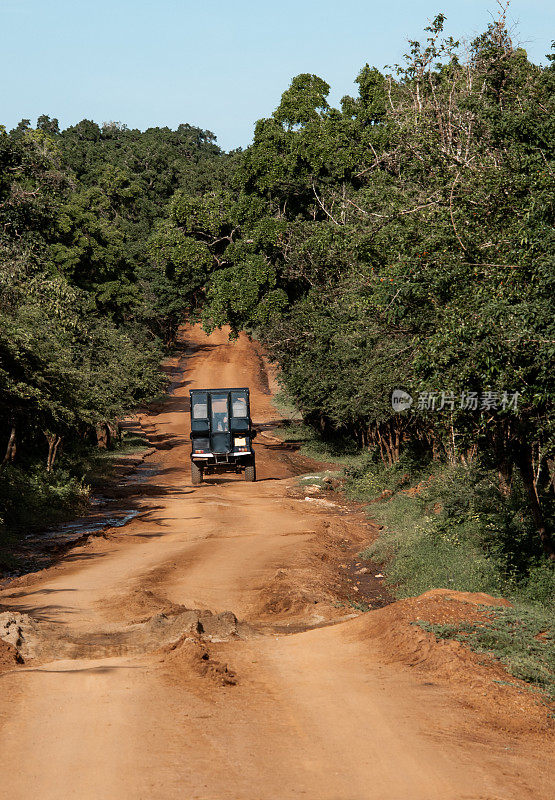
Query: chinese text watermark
{"x": 449, "y": 401}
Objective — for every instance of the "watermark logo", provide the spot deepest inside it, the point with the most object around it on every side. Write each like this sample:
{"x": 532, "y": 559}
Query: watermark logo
{"x": 449, "y": 401}
{"x": 401, "y": 400}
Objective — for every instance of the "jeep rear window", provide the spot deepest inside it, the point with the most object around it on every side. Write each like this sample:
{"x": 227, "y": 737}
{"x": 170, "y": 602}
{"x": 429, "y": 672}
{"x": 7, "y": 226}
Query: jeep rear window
{"x": 238, "y": 404}
{"x": 199, "y": 406}
{"x": 220, "y": 418}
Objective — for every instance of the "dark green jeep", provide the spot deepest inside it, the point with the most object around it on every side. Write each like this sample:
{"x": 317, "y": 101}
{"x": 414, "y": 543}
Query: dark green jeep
{"x": 221, "y": 433}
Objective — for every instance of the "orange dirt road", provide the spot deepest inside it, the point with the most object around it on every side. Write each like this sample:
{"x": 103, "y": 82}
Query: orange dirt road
{"x": 251, "y": 712}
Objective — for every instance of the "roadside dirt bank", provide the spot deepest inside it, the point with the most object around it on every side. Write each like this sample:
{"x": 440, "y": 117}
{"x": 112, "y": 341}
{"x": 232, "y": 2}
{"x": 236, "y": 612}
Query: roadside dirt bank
{"x": 210, "y": 648}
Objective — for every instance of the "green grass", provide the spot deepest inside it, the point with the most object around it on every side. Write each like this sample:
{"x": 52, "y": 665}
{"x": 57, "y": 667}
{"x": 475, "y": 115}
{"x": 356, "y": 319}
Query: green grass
{"x": 521, "y": 638}
{"x": 132, "y": 441}
{"x": 454, "y": 532}
{"x": 418, "y": 557}
{"x": 367, "y": 480}
{"x": 457, "y": 533}
{"x": 342, "y": 453}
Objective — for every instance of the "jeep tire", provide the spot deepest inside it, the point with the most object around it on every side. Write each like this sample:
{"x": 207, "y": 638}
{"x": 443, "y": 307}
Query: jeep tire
{"x": 196, "y": 474}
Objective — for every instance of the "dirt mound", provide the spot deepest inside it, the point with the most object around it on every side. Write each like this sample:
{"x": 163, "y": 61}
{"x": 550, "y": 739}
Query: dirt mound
{"x": 9, "y": 656}
{"x": 285, "y": 595}
{"x": 479, "y": 682}
{"x": 141, "y": 603}
{"x": 20, "y": 632}
{"x": 190, "y": 655}
{"x": 471, "y": 598}
{"x": 44, "y": 641}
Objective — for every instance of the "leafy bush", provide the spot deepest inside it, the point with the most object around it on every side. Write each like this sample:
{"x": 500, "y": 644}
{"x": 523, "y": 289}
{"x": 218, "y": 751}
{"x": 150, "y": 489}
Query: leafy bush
{"x": 32, "y": 497}
{"x": 539, "y": 585}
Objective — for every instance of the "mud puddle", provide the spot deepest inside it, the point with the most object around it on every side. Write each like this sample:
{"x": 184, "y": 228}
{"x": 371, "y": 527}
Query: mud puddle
{"x": 71, "y": 532}
{"x": 115, "y": 507}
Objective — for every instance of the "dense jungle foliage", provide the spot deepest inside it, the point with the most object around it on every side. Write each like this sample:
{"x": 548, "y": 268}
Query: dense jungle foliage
{"x": 85, "y": 315}
{"x": 402, "y": 241}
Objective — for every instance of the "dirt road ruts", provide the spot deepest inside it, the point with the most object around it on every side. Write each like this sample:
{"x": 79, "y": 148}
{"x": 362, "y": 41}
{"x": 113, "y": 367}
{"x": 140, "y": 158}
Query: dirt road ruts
{"x": 167, "y": 678}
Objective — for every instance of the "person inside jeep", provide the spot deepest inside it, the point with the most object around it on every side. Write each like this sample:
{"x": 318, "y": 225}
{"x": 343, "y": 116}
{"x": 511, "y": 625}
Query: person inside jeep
{"x": 221, "y": 422}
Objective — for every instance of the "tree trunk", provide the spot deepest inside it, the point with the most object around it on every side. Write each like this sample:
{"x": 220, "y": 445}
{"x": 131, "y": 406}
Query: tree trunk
{"x": 114, "y": 433}
{"x": 395, "y": 440}
{"x": 501, "y": 445}
{"x": 53, "y": 443}
{"x": 380, "y": 443}
{"x": 505, "y": 472}
{"x": 525, "y": 465}
{"x": 11, "y": 449}
{"x": 391, "y": 447}
{"x": 55, "y": 451}
{"x": 451, "y": 447}
{"x": 50, "y": 438}
{"x": 551, "y": 470}
{"x": 102, "y": 435}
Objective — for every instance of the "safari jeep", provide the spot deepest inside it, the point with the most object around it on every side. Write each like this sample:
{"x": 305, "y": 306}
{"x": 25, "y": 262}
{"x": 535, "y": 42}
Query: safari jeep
{"x": 221, "y": 433}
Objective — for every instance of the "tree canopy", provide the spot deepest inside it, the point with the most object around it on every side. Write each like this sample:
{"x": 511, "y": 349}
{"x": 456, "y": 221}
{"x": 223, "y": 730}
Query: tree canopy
{"x": 404, "y": 240}
{"x": 84, "y": 310}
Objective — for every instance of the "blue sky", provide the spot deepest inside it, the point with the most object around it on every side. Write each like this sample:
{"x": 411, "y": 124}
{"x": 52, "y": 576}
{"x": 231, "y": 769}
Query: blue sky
{"x": 218, "y": 65}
